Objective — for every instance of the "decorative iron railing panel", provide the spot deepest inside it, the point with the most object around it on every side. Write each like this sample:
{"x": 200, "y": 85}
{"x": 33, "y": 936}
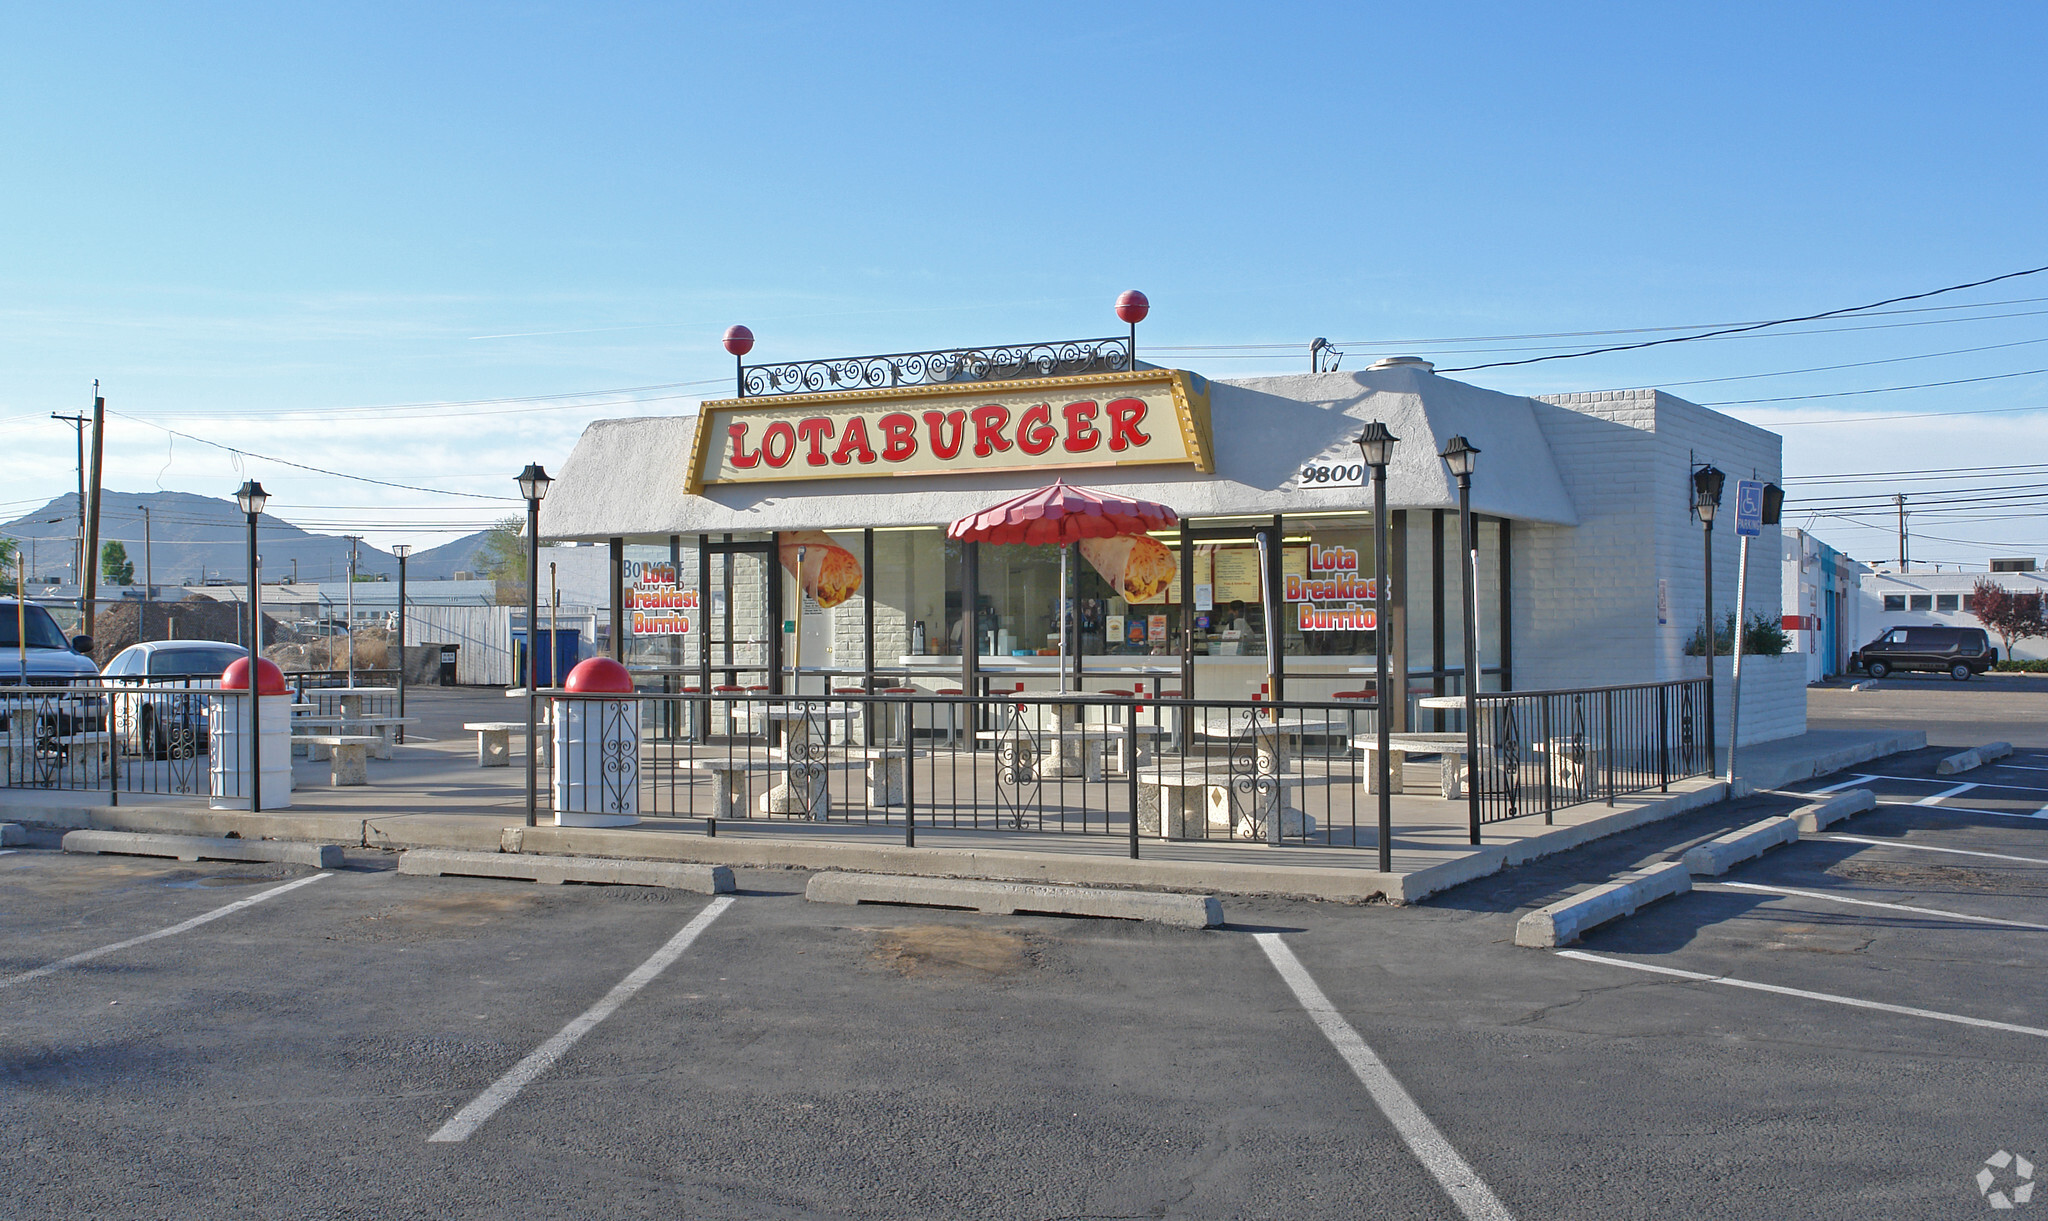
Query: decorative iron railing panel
{"x": 1009, "y": 362}
{"x": 1541, "y": 751}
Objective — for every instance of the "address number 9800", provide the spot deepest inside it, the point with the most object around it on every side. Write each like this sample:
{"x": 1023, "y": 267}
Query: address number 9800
{"x": 1340, "y": 476}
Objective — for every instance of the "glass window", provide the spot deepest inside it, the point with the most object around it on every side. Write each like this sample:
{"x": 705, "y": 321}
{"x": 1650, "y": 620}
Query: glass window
{"x": 194, "y": 661}
{"x": 1923, "y": 602}
{"x": 1895, "y": 602}
{"x": 1945, "y": 602}
{"x": 1969, "y": 602}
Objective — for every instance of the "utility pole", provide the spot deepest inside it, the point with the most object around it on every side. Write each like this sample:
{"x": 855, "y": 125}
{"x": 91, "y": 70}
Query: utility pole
{"x": 148, "y": 574}
{"x": 353, "y": 539}
{"x": 78, "y": 423}
{"x": 92, "y": 528}
{"x": 1904, "y": 562}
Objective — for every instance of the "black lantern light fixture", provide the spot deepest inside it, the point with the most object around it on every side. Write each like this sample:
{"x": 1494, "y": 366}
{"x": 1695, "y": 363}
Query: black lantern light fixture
{"x": 1376, "y": 444}
{"x": 1707, "y": 481}
{"x": 1460, "y": 457}
{"x": 251, "y": 498}
{"x": 533, "y": 485}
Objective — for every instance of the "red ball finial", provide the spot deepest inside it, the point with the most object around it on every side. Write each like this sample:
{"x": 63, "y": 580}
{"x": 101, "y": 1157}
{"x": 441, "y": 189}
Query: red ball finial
{"x": 599, "y": 675}
{"x": 269, "y": 679}
{"x": 1132, "y": 306}
{"x": 739, "y": 340}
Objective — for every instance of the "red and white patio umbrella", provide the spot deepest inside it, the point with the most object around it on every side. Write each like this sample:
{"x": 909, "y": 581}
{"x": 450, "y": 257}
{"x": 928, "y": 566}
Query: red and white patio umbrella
{"x": 1056, "y": 516}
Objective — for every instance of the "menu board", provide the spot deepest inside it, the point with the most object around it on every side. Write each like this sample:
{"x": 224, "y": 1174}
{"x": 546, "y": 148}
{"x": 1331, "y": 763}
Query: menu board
{"x": 1236, "y": 574}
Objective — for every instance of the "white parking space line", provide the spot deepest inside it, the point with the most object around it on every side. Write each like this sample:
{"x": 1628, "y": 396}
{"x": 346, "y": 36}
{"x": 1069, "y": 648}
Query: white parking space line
{"x": 1981, "y": 784}
{"x": 1840, "y": 784}
{"x": 1921, "y": 805}
{"x": 1892, "y": 843}
{"x": 542, "y": 1058}
{"x": 1933, "y": 799}
{"x": 2020, "y": 767}
{"x": 12, "y": 851}
{"x": 1451, "y": 1171}
{"x": 1829, "y": 997}
{"x": 1897, "y": 907}
{"x": 173, "y": 930}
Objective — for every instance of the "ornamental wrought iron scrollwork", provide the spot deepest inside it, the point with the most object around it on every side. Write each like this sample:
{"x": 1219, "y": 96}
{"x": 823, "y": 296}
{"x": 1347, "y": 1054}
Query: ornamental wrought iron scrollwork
{"x": 1020, "y": 765}
{"x": 1009, "y": 362}
{"x": 1508, "y": 750}
{"x": 618, "y": 757}
{"x": 1576, "y": 750}
{"x": 1686, "y": 717}
{"x": 1252, "y": 760}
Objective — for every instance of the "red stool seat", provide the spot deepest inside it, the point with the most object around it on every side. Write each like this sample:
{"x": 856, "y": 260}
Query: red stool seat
{"x": 1355, "y": 695}
{"x": 951, "y": 691}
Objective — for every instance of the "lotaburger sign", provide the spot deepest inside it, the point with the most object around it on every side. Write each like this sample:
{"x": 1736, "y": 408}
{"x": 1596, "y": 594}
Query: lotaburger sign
{"x": 1148, "y": 416}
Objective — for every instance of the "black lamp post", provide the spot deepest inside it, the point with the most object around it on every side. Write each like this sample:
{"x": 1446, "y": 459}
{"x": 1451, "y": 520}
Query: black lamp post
{"x": 251, "y": 497}
{"x": 1377, "y": 445}
{"x": 401, "y": 550}
{"x": 1459, "y": 455}
{"x": 533, "y": 485}
{"x": 1706, "y": 501}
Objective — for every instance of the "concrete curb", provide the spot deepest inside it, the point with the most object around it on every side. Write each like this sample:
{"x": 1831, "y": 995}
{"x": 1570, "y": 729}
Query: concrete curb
{"x": 11, "y": 834}
{"x": 1717, "y": 855}
{"x": 1976, "y": 757}
{"x": 1628, "y": 818}
{"x": 1011, "y": 898}
{"x": 555, "y": 870}
{"x": 1818, "y": 815}
{"x": 198, "y": 848}
{"x": 1564, "y": 921}
{"x": 1762, "y": 775}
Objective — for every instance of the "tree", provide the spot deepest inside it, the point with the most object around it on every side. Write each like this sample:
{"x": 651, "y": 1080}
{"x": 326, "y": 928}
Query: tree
{"x": 501, "y": 557}
{"x": 115, "y": 566}
{"x": 8, "y": 570}
{"x": 2013, "y": 615}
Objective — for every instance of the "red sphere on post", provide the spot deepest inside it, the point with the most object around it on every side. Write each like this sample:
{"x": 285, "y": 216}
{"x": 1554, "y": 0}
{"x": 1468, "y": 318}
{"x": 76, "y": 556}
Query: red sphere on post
{"x": 599, "y": 675}
{"x": 739, "y": 340}
{"x": 269, "y": 679}
{"x": 1132, "y": 306}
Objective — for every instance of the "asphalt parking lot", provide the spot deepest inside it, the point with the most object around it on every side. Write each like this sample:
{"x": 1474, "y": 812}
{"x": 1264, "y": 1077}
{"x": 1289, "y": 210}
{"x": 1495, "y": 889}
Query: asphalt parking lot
{"x": 760, "y": 1056}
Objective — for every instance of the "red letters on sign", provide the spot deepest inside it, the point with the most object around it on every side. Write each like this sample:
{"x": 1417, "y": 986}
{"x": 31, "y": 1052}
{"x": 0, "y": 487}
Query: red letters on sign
{"x": 988, "y": 430}
{"x": 936, "y": 423}
{"x": 740, "y": 457}
{"x": 1124, "y": 417}
{"x": 1035, "y": 433}
{"x": 817, "y": 430}
{"x": 899, "y": 436}
{"x": 854, "y": 441}
{"x": 1081, "y": 435}
{"x": 778, "y": 443}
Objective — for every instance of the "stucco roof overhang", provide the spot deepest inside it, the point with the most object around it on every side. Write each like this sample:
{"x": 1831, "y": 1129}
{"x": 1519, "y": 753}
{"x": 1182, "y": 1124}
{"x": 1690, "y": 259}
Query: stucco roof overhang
{"x": 625, "y": 477}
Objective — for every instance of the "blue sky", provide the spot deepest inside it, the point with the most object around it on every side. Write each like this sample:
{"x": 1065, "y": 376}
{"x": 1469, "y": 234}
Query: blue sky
{"x": 251, "y": 222}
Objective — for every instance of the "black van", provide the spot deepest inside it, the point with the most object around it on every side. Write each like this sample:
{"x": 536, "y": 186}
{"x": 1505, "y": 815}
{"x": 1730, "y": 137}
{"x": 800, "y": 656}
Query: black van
{"x": 1962, "y": 651}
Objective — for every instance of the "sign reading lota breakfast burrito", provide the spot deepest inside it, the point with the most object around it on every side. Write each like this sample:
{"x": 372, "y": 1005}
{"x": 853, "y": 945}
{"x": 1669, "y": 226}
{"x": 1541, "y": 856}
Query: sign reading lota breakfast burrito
{"x": 1116, "y": 419}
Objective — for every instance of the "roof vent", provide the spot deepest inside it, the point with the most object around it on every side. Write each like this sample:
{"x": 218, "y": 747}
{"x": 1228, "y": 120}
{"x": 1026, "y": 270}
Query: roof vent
{"x": 1402, "y": 362}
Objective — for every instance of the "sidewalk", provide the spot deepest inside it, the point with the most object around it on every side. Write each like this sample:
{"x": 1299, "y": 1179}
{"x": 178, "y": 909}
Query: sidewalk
{"x": 432, "y": 795}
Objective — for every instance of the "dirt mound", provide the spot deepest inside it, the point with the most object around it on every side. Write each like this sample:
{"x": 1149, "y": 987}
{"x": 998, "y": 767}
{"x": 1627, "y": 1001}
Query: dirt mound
{"x": 117, "y": 627}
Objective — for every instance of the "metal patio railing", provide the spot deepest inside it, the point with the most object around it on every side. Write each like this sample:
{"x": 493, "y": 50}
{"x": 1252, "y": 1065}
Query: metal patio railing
{"x": 1541, "y": 751}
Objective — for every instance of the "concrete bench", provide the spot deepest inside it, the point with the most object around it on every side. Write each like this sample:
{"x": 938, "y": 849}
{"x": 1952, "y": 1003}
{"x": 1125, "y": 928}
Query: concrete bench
{"x": 1189, "y": 803}
{"x": 349, "y": 754}
{"x": 1448, "y": 747}
{"x": 88, "y": 755}
{"x": 729, "y": 784}
{"x": 886, "y": 773}
{"x": 494, "y": 741}
{"x": 381, "y": 724}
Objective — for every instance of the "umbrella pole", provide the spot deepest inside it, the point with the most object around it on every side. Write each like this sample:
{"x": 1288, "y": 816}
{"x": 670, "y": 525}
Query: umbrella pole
{"x": 1064, "y": 645}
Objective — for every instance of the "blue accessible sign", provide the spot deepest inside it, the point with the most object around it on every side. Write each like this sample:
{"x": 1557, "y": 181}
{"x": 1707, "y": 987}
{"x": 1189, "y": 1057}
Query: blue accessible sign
{"x": 1749, "y": 507}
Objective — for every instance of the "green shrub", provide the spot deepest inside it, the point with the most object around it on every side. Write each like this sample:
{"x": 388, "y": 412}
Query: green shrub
{"x": 2022, "y": 667}
{"x": 1763, "y": 636}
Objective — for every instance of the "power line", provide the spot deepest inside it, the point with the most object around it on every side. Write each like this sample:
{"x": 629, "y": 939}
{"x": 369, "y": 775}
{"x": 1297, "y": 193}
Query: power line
{"x": 1843, "y": 394}
{"x": 1833, "y": 313}
{"x": 410, "y": 487}
{"x": 1904, "y": 415}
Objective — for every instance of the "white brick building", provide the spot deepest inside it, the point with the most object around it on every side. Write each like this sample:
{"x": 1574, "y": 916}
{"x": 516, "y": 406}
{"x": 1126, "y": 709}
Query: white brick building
{"x": 1586, "y": 495}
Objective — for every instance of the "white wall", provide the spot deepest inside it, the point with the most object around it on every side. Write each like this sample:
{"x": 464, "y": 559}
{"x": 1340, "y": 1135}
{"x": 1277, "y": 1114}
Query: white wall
{"x": 1875, "y": 620}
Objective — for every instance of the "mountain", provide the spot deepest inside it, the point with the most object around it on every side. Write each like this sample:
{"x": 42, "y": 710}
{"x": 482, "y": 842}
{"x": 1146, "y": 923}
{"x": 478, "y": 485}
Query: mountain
{"x": 194, "y": 538}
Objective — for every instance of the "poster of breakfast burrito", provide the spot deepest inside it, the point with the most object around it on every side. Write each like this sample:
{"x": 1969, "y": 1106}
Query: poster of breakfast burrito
{"x": 1139, "y": 568}
{"x": 830, "y": 572}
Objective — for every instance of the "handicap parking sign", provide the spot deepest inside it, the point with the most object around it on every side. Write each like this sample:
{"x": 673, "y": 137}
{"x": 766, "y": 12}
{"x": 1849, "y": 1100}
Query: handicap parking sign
{"x": 1749, "y": 507}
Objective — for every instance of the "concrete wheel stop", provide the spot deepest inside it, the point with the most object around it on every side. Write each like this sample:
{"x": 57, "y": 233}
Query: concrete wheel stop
{"x": 555, "y": 870}
{"x": 203, "y": 848}
{"x": 1016, "y": 898}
